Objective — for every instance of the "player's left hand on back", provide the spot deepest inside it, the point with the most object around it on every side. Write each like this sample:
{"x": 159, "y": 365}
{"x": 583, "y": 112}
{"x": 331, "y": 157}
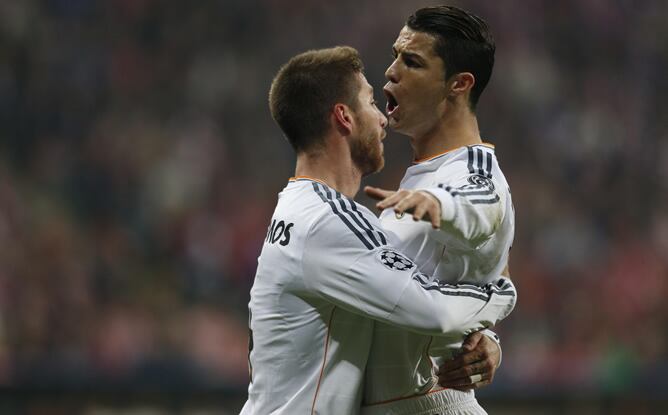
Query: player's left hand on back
{"x": 474, "y": 367}
{"x": 422, "y": 205}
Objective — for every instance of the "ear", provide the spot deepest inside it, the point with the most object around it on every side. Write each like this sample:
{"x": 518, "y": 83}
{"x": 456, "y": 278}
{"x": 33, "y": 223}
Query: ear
{"x": 343, "y": 118}
{"x": 460, "y": 84}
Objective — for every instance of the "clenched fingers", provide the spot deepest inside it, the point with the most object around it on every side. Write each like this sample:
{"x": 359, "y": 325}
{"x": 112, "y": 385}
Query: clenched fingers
{"x": 377, "y": 193}
{"x": 421, "y": 204}
{"x": 428, "y": 211}
{"x": 393, "y": 200}
{"x": 462, "y": 360}
{"x": 481, "y": 367}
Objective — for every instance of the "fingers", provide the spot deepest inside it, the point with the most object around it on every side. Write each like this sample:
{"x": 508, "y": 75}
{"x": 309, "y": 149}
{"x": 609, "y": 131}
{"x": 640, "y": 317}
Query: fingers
{"x": 490, "y": 350}
{"x": 392, "y": 200}
{"x": 462, "y": 361}
{"x": 472, "y": 341}
{"x": 422, "y": 205}
{"x": 457, "y": 373}
{"x": 469, "y": 377}
{"x": 435, "y": 216}
{"x": 463, "y": 372}
{"x": 467, "y": 382}
{"x": 377, "y": 193}
{"x": 432, "y": 207}
{"x": 476, "y": 347}
{"x": 408, "y": 201}
{"x": 419, "y": 211}
{"x": 427, "y": 211}
{"x": 474, "y": 368}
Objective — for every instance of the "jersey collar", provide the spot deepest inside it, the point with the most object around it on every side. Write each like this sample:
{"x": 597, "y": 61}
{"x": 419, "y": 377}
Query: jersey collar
{"x": 305, "y": 178}
{"x": 439, "y": 155}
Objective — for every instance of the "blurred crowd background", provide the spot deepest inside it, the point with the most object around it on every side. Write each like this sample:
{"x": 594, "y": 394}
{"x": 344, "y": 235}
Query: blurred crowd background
{"x": 139, "y": 167}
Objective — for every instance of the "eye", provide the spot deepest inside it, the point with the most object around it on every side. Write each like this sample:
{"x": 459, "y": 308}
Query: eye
{"x": 411, "y": 63}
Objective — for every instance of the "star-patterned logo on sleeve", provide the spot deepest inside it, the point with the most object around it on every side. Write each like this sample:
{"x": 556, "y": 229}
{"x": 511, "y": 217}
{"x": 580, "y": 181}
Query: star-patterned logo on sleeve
{"x": 395, "y": 261}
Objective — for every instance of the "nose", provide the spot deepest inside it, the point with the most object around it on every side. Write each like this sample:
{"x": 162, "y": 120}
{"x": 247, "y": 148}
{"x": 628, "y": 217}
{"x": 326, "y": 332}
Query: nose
{"x": 383, "y": 119}
{"x": 391, "y": 73}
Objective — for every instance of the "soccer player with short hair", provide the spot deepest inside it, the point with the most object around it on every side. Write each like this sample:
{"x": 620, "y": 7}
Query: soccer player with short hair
{"x": 327, "y": 271}
{"x": 443, "y": 61}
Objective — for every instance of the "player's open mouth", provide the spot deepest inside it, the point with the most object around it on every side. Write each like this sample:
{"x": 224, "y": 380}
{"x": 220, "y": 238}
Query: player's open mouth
{"x": 392, "y": 103}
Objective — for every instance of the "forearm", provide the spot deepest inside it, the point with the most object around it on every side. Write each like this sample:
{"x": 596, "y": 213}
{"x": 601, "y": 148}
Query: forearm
{"x": 441, "y": 309}
{"x": 473, "y": 219}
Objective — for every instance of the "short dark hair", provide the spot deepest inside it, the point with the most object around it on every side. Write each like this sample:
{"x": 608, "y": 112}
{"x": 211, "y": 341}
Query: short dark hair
{"x": 307, "y": 87}
{"x": 463, "y": 41}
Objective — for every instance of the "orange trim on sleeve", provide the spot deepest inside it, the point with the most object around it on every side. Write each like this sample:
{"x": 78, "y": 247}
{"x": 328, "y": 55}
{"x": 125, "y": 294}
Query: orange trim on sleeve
{"x": 324, "y": 360}
{"x": 422, "y": 160}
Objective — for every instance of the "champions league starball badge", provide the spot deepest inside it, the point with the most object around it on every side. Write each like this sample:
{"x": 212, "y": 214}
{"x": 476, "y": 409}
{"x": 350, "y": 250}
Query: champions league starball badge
{"x": 395, "y": 261}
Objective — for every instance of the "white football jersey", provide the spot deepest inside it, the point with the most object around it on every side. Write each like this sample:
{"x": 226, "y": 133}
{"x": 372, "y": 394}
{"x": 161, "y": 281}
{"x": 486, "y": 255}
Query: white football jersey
{"x": 472, "y": 246}
{"x": 326, "y": 272}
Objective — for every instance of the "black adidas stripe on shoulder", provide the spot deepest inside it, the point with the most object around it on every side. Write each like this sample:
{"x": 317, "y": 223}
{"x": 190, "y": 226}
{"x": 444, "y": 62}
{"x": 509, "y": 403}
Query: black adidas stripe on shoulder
{"x": 369, "y": 227}
{"x": 347, "y": 211}
{"x": 480, "y": 161}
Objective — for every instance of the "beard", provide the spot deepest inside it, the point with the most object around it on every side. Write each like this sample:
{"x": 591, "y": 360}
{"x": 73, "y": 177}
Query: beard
{"x": 366, "y": 153}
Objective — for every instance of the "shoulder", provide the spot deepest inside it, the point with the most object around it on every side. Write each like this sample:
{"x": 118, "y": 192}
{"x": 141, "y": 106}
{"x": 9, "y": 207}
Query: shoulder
{"x": 342, "y": 221}
{"x": 298, "y": 209}
{"x": 476, "y": 159}
{"x": 474, "y": 165}
{"x": 473, "y": 174}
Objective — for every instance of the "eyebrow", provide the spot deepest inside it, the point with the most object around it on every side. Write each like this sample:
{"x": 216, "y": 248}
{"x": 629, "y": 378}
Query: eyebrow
{"x": 412, "y": 55}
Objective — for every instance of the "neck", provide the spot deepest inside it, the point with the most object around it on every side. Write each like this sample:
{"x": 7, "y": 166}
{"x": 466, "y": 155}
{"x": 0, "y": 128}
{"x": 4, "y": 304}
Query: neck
{"x": 459, "y": 128}
{"x": 332, "y": 166}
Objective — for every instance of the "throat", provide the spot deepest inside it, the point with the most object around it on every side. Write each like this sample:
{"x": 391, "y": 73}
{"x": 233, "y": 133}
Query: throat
{"x": 340, "y": 176}
{"x": 443, "y": 138}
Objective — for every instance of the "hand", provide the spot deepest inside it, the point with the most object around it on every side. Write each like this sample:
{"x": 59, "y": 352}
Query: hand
{"x": 480, "y": 356}
{"x": 418, "y": 202}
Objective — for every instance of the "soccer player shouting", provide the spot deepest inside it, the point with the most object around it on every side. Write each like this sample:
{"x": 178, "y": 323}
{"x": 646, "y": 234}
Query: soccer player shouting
{"x": 443, "y": 61}
{"x": 327, "y": 271}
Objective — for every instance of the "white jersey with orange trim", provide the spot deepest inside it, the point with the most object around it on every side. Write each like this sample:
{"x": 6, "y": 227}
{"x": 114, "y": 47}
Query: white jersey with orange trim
{"x": 326, "y": 272}
{"x": 472, "y": 246}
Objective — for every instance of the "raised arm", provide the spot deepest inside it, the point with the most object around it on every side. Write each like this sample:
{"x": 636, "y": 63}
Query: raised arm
{"x": 469, "y": 213}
